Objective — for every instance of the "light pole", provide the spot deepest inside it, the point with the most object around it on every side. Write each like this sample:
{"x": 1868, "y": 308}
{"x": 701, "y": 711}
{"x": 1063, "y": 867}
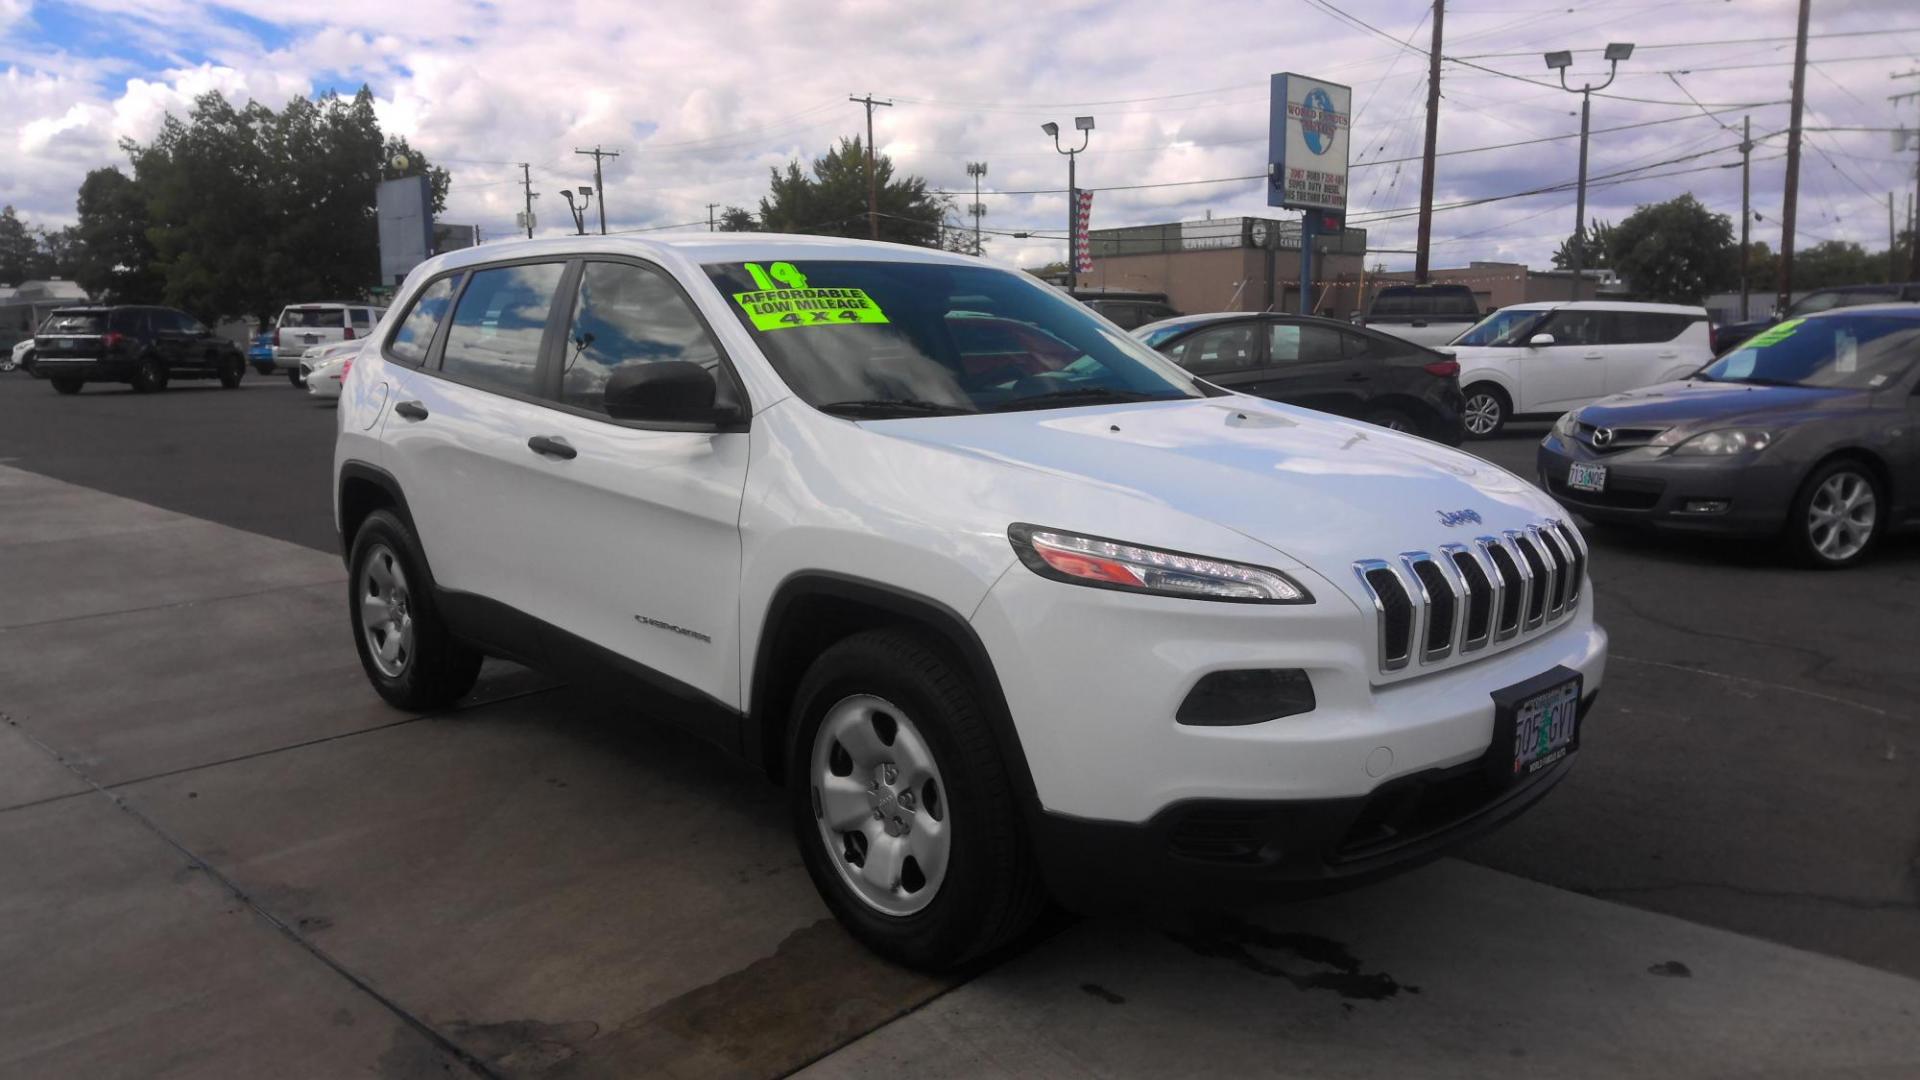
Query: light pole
{"x": 978, "y": 169}
{"x": 1085, "y": 124}
{"x": 580, "y": 211}
{"x": 1560, "y": 61}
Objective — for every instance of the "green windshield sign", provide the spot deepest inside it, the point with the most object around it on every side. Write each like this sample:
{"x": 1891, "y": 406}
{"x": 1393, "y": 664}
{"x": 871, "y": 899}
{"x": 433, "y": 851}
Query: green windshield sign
{"x": 1774, "y": 335}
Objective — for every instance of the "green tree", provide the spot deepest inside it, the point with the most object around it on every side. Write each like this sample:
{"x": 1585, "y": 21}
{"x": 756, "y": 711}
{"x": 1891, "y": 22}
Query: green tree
{"x": 19, "y": 253}
{"x": 1837, "y": 262}
{"x": 738, "y": 219}
{"x": 114, "y": 261}
{"x": 1593, "y": 251}
{"x": 833, "y": 200}
{"x": 1676, "y": 252}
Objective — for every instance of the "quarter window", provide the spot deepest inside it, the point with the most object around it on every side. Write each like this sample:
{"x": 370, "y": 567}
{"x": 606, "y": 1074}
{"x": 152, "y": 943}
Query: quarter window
{"x": 415, "y": 333}
{"x": 494, "y": 341}
{"x": 627, "y": 315}
{"x": 362, "y": 319}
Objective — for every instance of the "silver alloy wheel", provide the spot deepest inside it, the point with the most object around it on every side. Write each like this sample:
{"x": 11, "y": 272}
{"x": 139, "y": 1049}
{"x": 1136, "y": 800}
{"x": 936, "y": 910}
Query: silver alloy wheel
{"x": 1483, "y": 414}
{"x": 386, "y": 612}
{"x": 1841, "y": 517}
{"x": 881, "y": 805}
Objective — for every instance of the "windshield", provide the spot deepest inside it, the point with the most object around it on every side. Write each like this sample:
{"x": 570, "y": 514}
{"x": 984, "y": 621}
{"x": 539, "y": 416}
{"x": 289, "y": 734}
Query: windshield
{"x": 885, "y": 339}
{"x": 1509, "y": 327}
{"x": 75, "y": 322}
{"x": 1857, "y": 352}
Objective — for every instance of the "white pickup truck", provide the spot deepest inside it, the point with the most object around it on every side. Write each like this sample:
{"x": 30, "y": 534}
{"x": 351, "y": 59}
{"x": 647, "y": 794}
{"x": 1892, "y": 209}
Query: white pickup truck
{"x": 1430, "y": 315}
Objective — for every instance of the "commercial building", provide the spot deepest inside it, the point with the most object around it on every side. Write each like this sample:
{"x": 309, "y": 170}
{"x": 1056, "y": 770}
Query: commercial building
{"x": 1499, "y": 284}
{"x": 1226, "y": 264}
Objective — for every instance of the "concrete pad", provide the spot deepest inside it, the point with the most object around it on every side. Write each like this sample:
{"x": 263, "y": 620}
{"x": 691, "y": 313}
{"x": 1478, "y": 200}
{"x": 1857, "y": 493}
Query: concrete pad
{"x": 130, "y": 695}
{"x": 36, "y": 508}
{"x": 27, "y": 773}
{"x": 122, "y": 960}
{"x": 1455, "y": 971}
{"x": 546, "y": 880}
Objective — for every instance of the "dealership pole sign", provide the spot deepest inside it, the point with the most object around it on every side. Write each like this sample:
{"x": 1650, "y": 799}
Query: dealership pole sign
{"x": 1307, "y": 139}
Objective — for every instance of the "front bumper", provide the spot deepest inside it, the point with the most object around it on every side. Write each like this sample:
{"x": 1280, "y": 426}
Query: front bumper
{"x": 1647, "y": 486}
{"x": 1228, "y": 851}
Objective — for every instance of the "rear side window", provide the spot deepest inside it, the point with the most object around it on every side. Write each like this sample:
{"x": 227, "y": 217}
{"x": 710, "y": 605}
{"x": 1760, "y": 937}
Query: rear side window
{"x": 1648, "y": 327}
{"x": 415, "y": 333}
{"x": 1219, "y": 350}
{"x": 626, "y": 315}
{"x": 129, "y": 321}
{"x": 311, "y": 317}
{"x": 494, "y": 341}
{"x": 362, "y": 319}
{"x": 1292, "y": 344}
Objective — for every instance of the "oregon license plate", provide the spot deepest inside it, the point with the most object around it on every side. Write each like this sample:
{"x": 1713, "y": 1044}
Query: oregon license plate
{"x": 1582, "y": 476}
{"x": 1536, "y": 725}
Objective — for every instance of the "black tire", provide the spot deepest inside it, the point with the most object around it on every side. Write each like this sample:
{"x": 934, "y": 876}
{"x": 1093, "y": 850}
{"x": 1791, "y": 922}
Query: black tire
{"x": 150, "y": 376}
{"x": 1804, "y": 540}
{"x": 68, "y": 386}
{"x": 991, "y": 890}
{"x": 1487, "y": 407}
{"x": 1393, "y": 420}
{"x": 293, "y": 376}
{"x": 232, "y": 370}
{"x": 438, "y": 670}
{"x": 263, "y": 369}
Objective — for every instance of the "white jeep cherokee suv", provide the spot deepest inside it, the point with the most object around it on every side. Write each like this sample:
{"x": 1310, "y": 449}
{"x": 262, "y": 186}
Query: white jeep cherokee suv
{"x": 1009, "y": 614}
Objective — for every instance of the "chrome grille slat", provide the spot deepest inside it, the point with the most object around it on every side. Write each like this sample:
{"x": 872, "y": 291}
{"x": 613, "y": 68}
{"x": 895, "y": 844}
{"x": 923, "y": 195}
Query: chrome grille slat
{"x": 1431, "y": 606}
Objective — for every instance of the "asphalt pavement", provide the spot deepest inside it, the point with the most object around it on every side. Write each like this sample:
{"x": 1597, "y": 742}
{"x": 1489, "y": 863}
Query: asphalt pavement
{"x": 225, "y": 856}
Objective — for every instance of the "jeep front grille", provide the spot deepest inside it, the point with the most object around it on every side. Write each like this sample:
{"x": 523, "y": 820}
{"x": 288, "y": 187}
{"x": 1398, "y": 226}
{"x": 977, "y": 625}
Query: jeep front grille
{"x": 1429, "y": 607}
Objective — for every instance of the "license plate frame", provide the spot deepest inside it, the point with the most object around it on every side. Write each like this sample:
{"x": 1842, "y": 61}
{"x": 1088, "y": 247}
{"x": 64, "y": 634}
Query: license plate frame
{"x": 1586, "y": 476}
{"x": 1536, "y": 725}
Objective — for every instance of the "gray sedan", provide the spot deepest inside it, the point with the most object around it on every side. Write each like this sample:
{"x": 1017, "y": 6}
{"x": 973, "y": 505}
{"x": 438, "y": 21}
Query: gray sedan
{"x": 1810, "y": 431}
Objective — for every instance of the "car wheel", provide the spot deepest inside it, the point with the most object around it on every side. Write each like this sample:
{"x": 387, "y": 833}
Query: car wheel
{"x": 150, "y": 377}
{"x": 902, "y": 807}
{"x": 293, "y": 376}
{"x": 263, "y": 369}
{"x": 1393, "y": 420}
{"x": 68, "y": 386}
{"x": 1486, "y": 412}
{"x": 7, "y": 362}
{"x": 409, "y": 655}
{"x": 232, "y": 371}
{"x": 1837, "y": 515}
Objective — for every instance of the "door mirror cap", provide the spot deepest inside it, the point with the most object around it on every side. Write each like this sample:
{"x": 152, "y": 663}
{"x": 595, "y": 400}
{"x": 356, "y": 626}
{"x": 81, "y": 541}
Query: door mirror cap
{"x": 665, "y": 391}
{"x": 1539, "y": 340}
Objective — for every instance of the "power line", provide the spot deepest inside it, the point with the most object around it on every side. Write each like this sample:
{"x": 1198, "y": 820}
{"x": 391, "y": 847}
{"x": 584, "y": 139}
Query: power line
{"x": 1701, "y": 44}
{"x": 1615, "y": 97}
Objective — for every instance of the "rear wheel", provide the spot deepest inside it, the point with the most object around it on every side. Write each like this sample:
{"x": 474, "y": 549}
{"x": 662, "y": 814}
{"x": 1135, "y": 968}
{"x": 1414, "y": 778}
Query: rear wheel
{"x": 902, "y": 806}
{"x": 150, "y": 376}
{"x": 232, "y": 370}
{"x": 293, "y": 376}
{"x": 1393, "y": 420}
{"x": 1837, "y": 515}
{"x": 1487, "y": 411}
{"x": 68, "y": 386}
{"x": 409, "y": 654}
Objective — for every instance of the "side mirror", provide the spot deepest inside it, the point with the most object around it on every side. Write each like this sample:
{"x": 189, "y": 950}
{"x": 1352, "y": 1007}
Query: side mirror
{"x": 664, "y": 391}
{"x": 1539, "y": 340}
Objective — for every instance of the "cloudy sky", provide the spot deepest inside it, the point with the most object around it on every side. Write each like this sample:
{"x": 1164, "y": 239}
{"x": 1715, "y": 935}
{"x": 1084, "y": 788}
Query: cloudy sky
{"x": 701, "y": 98}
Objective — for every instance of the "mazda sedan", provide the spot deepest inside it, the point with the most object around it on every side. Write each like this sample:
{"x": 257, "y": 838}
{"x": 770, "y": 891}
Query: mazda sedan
{"x": 1809, "y": 431}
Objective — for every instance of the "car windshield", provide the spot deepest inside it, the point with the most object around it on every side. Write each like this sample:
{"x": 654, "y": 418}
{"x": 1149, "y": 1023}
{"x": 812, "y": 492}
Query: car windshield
{"x": 1509, "y": 327}
{"x": 75, "y": 322}
{"x": 874, "y": 340}
{"x": 1857, "y": 352}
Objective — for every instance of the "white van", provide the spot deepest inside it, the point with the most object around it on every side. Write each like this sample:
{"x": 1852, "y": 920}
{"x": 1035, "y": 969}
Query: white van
{"x": 302, "y": 326}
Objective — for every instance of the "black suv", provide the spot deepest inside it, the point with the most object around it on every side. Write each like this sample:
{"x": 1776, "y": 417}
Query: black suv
{"x": 143, "y": 346}
{"x": 1126, "y": 310}
{"x": 1726, "y": 337}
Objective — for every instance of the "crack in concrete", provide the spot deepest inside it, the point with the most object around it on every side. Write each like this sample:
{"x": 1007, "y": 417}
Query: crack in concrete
{"x": 1856, "y": 903}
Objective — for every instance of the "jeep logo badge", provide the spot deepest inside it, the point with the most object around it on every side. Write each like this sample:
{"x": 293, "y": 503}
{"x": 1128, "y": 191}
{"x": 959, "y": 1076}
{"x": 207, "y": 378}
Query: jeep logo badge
{"x": 1451, "y": 518}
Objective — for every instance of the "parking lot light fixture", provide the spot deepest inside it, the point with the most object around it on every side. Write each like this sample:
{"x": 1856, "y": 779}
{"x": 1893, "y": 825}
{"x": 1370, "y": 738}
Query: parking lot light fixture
{"x": 1085, "y": 126}
{"x": 1560, "y": 61}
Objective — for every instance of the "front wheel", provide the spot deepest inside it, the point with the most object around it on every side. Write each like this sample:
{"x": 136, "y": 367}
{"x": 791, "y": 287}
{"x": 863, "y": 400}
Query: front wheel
{"x": 150, "y": 377}
{"x": 1486, "y": 411}
{"x": 68, "y": 386}
{"x": 293, "y": 376}
{"x": 231, "y": 372}
{"x": 1836, "y": 516}
{"x": 902, "y": 806}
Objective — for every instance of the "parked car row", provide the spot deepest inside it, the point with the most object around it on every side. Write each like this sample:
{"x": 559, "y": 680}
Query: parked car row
{"x": 1727, "y": 336}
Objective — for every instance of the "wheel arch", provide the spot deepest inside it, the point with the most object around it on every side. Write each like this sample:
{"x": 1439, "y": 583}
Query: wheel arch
{"x": 364, "y": 488}
{"x": 812, "y": 610}
{"x": 1883, "y": 473}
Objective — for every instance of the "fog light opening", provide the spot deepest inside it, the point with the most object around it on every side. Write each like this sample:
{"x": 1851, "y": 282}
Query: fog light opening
{"x": 1705, "y": 506}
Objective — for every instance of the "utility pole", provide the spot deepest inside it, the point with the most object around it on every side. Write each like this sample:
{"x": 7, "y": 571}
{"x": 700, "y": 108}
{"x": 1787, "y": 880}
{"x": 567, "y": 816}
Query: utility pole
{"x": 526, "y": 182}
{"x": 976, "y": 169}
{"x": 1913, "y": 252}
{"x": 1783, "y": 287}
{"x": 1893, "y": 256}
{"x": 710, "y": 209}
{"x": 1746, "y": 209}
{"x": 599, "y": 184}
{"x": 1426, "y": 159}
{"x": 873, "y": 187}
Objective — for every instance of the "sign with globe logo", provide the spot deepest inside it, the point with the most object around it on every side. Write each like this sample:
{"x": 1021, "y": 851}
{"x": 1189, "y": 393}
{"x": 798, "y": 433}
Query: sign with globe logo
{"x": 1308, "y": 138}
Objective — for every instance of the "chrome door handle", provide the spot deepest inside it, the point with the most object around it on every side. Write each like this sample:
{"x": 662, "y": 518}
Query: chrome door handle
{"x": 552, "y": 446}
{"x": 1595, "y": 356}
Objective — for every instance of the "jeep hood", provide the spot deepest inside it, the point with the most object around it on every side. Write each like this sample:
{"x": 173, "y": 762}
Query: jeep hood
{"x": 1322, "y": 490}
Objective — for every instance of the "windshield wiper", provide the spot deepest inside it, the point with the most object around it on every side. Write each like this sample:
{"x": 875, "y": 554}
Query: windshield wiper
{"x": 1755, "y": 380}
{"x": 883, "y": 408}
{"x": 1079, "y": 395}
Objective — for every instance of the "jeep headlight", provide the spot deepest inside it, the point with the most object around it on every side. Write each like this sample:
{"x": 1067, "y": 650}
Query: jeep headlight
{"x": 1110, "y": 564}
{"x": 1725, "y": 442}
